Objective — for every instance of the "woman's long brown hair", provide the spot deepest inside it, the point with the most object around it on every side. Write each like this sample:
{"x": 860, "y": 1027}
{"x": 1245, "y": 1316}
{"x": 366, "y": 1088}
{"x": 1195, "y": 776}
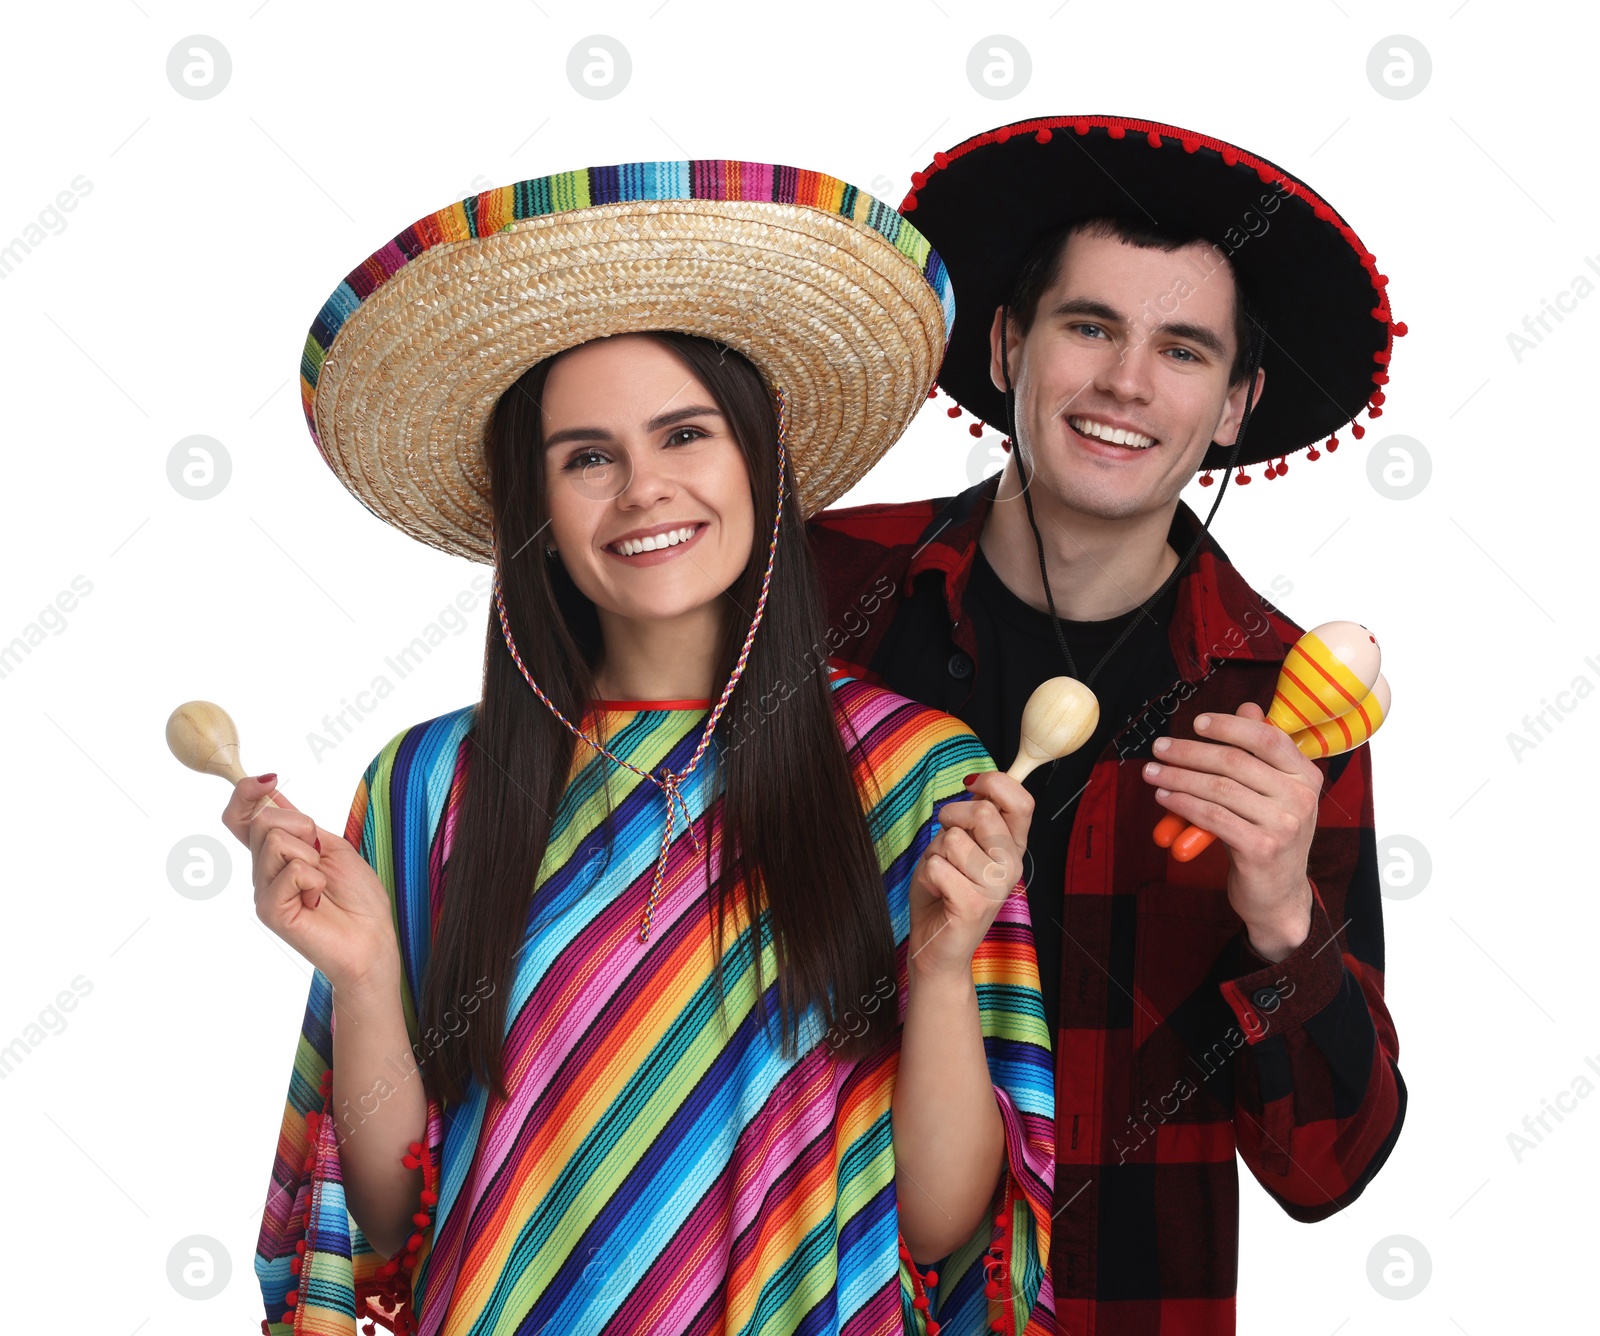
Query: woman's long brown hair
{"x": 790, "y": 808}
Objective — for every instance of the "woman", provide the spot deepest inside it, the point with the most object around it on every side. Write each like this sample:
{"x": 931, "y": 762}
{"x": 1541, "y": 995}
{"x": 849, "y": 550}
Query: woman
{"x": 660, "y": 1087}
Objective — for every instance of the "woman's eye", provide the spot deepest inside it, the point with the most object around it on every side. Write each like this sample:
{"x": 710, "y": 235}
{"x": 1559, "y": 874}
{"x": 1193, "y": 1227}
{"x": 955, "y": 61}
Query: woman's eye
{"x": 584, "y": 459}
{"x": 693, "y": 433}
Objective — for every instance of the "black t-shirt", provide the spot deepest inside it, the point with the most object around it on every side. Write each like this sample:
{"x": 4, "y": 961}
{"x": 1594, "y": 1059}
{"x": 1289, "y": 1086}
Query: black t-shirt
{"x": 1017, "y": 649}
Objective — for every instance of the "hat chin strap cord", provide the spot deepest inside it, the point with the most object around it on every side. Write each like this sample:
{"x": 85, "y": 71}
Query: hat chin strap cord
{"x": 1257, "y": 342}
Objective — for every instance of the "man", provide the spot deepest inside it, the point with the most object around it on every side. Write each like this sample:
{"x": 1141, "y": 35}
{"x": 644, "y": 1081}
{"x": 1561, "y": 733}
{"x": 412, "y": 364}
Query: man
{"x": 1130, "y": 298}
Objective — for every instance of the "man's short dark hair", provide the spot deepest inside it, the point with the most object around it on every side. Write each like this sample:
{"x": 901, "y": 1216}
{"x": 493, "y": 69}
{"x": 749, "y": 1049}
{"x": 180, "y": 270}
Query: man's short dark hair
{"x": 1042, "y": 266}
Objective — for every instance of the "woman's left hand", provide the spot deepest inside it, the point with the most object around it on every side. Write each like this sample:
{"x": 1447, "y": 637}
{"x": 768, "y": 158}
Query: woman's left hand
{"x": 966, "y": 873}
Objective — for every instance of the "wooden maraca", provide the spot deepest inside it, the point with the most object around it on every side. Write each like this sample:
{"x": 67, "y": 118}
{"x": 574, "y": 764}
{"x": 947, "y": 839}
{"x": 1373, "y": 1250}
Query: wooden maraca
{"x": 204, "y": 738}
{"x": 1060, "y": 717}
{"x": 1328, "y": 674}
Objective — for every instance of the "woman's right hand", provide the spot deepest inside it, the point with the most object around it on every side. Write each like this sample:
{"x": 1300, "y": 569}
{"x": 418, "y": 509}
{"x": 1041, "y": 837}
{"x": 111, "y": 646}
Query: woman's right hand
{"x": 314, "y": 889}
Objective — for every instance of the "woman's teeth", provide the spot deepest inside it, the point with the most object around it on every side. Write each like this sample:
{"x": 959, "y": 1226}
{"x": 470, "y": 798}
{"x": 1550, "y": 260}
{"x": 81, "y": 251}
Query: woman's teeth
{"x": 631, "y": 547}
{"x": 1111, "y": 435}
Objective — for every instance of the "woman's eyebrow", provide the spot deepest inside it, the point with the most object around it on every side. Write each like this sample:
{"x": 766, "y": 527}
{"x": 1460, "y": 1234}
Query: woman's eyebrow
{"x": 656, "y": 423}
{"x": 680, "y": 415}
{"x": 576, "y": 434}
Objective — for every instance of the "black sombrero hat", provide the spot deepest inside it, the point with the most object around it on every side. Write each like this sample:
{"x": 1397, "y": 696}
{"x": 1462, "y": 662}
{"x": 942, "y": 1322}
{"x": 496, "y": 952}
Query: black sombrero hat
{"x": 1325, "y": 307}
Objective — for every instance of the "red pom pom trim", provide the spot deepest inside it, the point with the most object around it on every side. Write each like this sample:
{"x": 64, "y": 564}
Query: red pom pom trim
{"x": 996, "y": 1270}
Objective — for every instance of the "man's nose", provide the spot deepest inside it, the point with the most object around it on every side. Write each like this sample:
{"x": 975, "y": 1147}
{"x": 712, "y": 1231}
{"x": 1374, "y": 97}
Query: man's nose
{"x": 1128, "y": 374}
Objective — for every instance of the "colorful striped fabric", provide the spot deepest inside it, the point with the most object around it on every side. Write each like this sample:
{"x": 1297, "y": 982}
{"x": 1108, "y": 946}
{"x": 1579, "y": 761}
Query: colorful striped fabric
{"x": 653, "y": 1173}
{"x": 709, "y": 179}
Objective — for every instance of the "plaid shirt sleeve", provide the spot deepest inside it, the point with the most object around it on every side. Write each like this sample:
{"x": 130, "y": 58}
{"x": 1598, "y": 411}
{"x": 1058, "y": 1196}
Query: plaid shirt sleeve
{"x": 1320, "y": 1099}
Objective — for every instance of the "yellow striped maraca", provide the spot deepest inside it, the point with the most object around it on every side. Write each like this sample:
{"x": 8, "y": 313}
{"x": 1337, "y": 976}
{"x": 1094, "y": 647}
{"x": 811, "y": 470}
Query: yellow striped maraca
{"x": 1347, "y": 731}
{"x": 1330, "y": 698}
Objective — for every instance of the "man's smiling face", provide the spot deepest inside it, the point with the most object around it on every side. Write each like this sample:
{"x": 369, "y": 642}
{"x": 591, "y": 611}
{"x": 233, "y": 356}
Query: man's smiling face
{"x": 1122, "y": 379}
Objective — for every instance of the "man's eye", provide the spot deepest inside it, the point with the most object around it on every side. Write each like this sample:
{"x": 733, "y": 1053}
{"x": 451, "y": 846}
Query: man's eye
{"x": 1187, "y": 353}
{"x": 1092, "y": 329}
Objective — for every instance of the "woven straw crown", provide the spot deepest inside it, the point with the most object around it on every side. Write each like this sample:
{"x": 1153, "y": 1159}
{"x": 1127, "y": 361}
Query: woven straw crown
{"x": 831, "y": 293}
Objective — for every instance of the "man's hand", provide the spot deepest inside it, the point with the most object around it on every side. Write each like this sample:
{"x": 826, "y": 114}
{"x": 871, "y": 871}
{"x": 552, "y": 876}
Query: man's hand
{"x": 1252, "y": 788}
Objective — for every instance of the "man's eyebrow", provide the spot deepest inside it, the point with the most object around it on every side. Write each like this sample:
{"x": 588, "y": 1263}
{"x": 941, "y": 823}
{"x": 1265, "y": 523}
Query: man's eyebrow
{"x": 1182, "y": 329}
{"x": 655, "y": 424}
{"x": 1091, "y": 307}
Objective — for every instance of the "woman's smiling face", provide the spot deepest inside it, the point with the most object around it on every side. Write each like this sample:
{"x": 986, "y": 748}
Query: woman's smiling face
{"x": 646, "y": 487}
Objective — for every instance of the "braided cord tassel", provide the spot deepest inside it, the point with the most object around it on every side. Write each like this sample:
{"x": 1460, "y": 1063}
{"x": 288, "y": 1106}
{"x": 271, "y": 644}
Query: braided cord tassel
{"x": 670, "y": 780}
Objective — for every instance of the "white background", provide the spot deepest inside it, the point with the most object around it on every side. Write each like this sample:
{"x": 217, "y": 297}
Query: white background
{"x": 175, "y": 301}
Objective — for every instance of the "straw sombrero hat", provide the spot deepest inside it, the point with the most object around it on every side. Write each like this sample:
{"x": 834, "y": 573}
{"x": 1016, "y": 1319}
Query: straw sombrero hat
{"x": 832, "y": 294}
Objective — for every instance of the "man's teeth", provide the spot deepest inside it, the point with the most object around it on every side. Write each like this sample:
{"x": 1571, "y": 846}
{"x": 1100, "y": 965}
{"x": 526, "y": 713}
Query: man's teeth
{"x": 631, "y": 547}
{"x": 1115, "y": 435}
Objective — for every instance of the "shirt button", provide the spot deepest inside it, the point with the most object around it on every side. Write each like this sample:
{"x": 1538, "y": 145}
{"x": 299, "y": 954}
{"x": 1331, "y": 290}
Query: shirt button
{"x": 1265, "y": 998}
{"x": 960, "y": 665}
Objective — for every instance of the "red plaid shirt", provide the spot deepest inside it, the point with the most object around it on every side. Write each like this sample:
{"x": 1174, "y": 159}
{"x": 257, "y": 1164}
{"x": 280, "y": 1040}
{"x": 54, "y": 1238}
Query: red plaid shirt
{"x": 1178, "y": 1044}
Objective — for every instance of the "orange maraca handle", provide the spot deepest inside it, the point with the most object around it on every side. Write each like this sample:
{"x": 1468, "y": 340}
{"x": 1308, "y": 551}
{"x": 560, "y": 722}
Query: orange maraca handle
{"x": 1191, "y": 844}
{"x": 1169, "y": 828}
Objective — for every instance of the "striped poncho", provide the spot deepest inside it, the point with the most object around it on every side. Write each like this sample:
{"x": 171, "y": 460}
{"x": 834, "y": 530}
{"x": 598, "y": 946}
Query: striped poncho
{"x": 653, "y": 1171}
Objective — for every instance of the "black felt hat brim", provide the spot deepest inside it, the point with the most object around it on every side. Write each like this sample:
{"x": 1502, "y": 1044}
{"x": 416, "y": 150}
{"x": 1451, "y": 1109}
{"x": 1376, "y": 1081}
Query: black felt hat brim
{"x": 985, "y": 203}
